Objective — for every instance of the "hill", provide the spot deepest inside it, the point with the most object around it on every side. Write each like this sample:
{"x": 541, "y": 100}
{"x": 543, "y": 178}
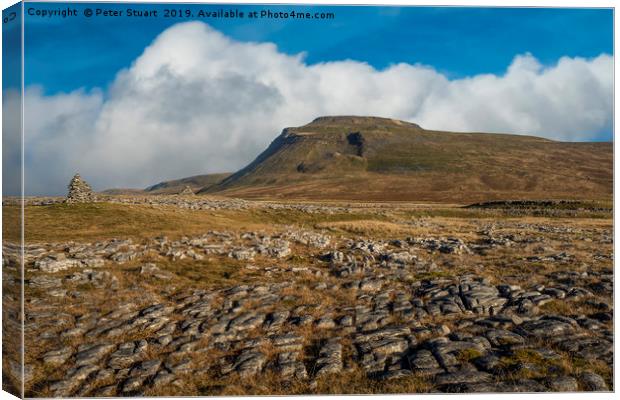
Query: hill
{"x": 122, "y": 192}
{"x": 380, "y": 159}
{"x": 175, "y": 186}
{"x": 195, "y": 182}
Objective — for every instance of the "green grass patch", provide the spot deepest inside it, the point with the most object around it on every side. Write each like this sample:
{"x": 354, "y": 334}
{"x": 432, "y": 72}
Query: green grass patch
{"x": 208, "y": 272}
{"x": 432, "y": 275}
{"x": 467, "y": 355}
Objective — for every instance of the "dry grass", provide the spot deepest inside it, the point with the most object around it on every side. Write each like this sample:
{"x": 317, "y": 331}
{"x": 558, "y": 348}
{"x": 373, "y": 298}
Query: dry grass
{"x": 95, "y": 221}
{"x": 104, "y": 220}
{"x": 563, "y": 307}
{"x": 350, "y": 382}
{"x": 88, "y": 222}
{"x": 367, "y": 227}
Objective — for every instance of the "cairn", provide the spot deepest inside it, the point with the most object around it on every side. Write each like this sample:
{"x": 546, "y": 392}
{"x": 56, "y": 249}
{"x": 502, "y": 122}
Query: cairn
{"x": 187, "y": 191}
{"x": 79, "y": 191}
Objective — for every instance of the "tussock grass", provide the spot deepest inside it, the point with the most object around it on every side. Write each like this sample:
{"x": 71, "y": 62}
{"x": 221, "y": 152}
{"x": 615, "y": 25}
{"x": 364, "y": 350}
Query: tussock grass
{"x": 367, "y": 227}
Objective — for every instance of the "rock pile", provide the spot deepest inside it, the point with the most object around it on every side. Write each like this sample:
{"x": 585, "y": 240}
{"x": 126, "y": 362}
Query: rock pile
{"x": 187, "y": 191}
{"x": 79, "y": 191}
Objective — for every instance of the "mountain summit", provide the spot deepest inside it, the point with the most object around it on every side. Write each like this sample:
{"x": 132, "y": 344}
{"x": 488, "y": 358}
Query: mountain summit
{"x": 372, "y": 158}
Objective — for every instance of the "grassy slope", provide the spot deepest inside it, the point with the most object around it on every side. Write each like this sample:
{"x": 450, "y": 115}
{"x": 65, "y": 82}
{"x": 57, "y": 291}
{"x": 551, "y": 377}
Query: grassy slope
{"x": 396, "y": 161}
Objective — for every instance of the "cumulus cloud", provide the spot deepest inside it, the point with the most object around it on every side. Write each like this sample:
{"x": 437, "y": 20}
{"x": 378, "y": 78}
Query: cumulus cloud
{"x": 197, "y": 101}
{"x": 11, "y": 143}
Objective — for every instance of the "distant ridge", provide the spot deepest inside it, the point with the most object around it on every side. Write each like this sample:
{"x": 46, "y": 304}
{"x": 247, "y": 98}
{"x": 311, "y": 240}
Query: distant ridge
{"x": 195, "y": 182}
{"x": 175, "y": 186}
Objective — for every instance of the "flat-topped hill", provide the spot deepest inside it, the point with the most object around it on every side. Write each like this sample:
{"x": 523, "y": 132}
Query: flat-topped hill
{"x": 375, "y": 159}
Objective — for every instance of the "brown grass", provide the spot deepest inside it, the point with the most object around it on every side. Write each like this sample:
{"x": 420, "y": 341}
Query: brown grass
{"x": 104, "y": 220}
{"x": 366, "y": 227}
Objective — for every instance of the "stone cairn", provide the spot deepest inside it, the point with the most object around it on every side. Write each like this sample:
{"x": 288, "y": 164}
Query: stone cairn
{"x": 79, "y": 191}
{"x": 187, "y": 191}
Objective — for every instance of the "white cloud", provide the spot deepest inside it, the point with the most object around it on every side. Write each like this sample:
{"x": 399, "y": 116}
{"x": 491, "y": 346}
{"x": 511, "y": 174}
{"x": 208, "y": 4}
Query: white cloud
{"x": 11, "y": 143}
{"x": 197, "y": 101}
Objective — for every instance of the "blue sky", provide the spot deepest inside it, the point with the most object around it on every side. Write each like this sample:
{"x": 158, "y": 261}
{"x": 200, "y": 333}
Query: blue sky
{"x": 65, "y": 54}
{"x": 129, "y": 102}
{"x": 11, "y": 48}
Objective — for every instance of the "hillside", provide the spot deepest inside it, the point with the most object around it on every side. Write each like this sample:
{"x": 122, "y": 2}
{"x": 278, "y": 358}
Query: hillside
{"x": 174, "y": 186}
{"x": 376, "y": 159}
{"x": 195, "y": 182}
{"x": 122, "y": 192}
